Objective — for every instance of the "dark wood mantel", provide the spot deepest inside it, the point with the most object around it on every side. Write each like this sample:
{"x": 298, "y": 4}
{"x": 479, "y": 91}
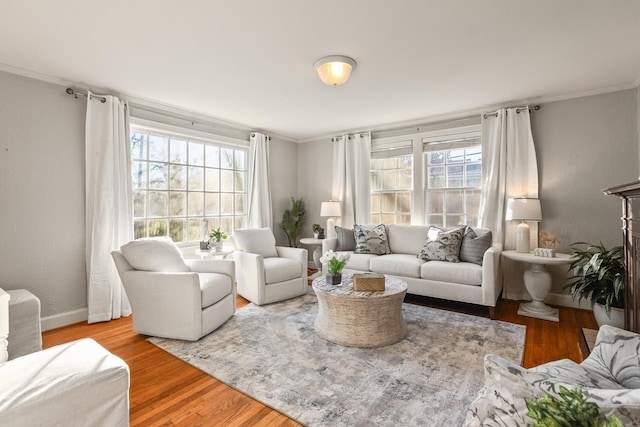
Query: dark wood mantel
{"x": 630, "y": 195}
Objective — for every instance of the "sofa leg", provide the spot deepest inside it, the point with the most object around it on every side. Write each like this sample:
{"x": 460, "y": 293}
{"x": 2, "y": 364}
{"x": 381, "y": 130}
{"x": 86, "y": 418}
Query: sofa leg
{"x": 492, "y": 313}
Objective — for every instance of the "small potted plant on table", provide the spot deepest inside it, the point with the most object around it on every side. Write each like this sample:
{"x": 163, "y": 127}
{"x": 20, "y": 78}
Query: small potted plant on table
{"x": 316, "y": 230}
{"x": 598, "y": 275}
{"x": 337, "y": 262}
{"x": 216, "y": 238}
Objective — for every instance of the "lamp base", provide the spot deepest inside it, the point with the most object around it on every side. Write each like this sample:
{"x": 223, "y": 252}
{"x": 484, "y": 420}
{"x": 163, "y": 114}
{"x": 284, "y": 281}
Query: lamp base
{"x": 522, "y": 238}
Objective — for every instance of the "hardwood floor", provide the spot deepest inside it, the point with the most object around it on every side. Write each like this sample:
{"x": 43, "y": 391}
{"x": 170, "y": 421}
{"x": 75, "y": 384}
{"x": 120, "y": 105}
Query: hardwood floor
{"x": 168, "y": 392}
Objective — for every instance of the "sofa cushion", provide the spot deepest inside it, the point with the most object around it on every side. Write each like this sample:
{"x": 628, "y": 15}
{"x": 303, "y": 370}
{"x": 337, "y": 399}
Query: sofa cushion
{"x": 465, "y": 273}
{"x": 397, "y": 264}
{"x": 256, "y": 241}
{"x": 444, "y": 246}
{"x": 214, "y": 287}
{"x": 346, "y": 239}
{"x": 281, "y": 269}
{"x": 407, "y": 239}
{"x": 360, "y": 262}
{"x": 371, "y": 240}
{"x": 474, "y": 244}
{"x": 154, "y": 254}
{"x": 616, "y": 355}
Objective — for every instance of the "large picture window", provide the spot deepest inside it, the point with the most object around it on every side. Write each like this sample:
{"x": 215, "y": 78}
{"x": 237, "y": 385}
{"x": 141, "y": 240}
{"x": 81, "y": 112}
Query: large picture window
{"x": 183, "y": 187}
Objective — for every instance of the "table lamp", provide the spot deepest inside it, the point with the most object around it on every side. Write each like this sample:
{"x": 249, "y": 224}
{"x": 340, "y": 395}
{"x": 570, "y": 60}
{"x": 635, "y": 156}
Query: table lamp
{"x": 523, "y": 209}
{"x": 332, "y": 210}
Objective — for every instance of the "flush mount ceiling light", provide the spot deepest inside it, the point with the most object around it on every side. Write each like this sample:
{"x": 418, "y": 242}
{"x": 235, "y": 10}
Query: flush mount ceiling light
{"x": 335, "y": 69}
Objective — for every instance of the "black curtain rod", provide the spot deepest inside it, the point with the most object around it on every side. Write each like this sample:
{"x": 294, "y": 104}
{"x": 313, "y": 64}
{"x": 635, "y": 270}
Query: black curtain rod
{"x": 76, "y": 93}
{"x": 518, "y": 109}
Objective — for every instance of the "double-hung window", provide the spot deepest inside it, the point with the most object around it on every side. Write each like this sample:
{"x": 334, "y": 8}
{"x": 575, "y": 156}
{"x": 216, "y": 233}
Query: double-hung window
{"x": 391, "y": 180}
{"x": 453, "y": 176}
{"x": 183, "y": 187}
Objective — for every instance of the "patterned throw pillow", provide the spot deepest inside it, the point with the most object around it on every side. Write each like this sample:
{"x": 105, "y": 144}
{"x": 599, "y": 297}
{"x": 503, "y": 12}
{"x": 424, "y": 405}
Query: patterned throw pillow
{"x": 371, "y": 240}
{"x": 473, "y": 246}
{"x": 346, "y": 239}
{"x": 443, "y": 246}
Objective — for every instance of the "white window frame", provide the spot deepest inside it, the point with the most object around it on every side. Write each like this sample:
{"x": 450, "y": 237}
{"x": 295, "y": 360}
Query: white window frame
{"x": 170, "y": 131}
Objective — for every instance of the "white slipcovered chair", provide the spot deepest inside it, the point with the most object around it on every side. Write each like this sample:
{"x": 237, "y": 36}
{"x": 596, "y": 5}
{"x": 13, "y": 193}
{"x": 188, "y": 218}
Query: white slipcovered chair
{"x": 74, "y": 384}
{"x": 172, "y": 297}
{"x": 267, "y": 273}
{"x": 609, "y": 377}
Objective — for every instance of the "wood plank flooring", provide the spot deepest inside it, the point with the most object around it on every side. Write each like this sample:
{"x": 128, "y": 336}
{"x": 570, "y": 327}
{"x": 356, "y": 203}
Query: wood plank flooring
{"x": 168, "y": 392}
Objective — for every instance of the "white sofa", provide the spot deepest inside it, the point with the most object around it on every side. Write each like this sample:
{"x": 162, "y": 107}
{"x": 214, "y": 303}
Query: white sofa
{"x": 74, "y": 384}
{"x": 462, "y": 281}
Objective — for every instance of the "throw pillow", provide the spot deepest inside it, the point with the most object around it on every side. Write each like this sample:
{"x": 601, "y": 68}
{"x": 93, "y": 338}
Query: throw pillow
{"x": 444, "y": 247}
{"x": 371, "y": 241}
{"x": 154, "y": 254}
{"x": 346, "y": 239}
{"x": 474, "y": 246}
{"x": 259, "y": 241}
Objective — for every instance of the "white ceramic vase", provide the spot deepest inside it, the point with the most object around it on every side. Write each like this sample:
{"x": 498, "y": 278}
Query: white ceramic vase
{"x": 616, "y": 319}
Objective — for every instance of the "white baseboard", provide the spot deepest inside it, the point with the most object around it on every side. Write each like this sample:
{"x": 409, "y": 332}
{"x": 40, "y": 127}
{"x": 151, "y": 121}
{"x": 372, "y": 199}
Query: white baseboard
{"x": 562, "y": 300}
{"x": 63, "y": 319}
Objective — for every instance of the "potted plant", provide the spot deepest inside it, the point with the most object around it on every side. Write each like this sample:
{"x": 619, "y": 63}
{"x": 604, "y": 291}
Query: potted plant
{"x": 316, "y": 230}
{"x": 336, "y": 261}
{"x": 216, "y": 237}
{"x": 598, "y": 275}
{"x": 293, "y": 220}
{"x": 570, "y": 408}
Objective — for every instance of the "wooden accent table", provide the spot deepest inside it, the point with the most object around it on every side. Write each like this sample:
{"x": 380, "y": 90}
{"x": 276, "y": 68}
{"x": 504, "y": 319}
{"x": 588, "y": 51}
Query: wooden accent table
{"x": 360, "y": 319}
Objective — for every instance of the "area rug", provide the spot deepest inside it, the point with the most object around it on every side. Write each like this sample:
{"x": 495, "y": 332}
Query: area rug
{"x": 273, "y": 354}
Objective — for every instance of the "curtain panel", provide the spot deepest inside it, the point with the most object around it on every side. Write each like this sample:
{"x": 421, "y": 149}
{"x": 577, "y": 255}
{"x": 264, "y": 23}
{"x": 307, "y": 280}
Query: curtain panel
{"x": 350, "y": 183}
{"x": 259, "y": 191}
{"x": 109, "y": 205}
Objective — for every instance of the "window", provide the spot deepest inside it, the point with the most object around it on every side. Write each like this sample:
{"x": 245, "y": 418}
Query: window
{"x": 183, "y": 186}
{"x": 453, "y": 178}
{"x": 391, "y": 179}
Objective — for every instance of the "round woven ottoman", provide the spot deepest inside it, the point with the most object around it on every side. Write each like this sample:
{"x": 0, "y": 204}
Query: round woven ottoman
{"x": 360, "y": 319}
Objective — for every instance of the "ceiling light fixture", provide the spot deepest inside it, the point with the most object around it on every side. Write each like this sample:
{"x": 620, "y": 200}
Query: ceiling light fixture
{"x": 335, "y": 69}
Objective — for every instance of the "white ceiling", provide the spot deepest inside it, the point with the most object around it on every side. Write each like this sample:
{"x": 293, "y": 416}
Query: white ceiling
{"x": 250, "y": 62}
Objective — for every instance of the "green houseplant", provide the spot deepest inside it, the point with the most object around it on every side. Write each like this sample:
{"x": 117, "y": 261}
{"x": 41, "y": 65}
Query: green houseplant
{"x": 598, "y": 275}
{"x": 293, "y": 219}
{"x": 216, "y": 237}
{"x": 569, "y": 409}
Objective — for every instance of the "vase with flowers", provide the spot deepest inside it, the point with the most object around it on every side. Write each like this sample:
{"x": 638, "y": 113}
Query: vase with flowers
{"x": 336, "y": 262}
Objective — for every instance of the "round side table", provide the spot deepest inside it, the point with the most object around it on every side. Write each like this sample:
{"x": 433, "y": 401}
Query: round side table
{"x": 317, "y": 253}
{"x": 537, "y": 280}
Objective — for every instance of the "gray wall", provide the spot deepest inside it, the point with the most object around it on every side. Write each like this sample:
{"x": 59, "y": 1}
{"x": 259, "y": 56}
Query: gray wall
{"x": 42, "y": 193}
{"x": 283, "y": 158}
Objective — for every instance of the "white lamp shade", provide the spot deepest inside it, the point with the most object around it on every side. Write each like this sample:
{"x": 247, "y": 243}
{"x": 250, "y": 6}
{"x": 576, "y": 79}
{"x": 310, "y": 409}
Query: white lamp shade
{"x": 330, "y": 208}
{"x": 334, "y": 70}
{"x": 523, "y": 209}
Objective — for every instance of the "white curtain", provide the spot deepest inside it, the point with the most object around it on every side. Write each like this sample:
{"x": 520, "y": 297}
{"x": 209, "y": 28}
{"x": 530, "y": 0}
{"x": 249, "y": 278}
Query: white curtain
{"x": 509, "y": 169}
{"x": 109, "y": 210}
{"x": 350, "y": 184}
{"x": 259, "y": 190}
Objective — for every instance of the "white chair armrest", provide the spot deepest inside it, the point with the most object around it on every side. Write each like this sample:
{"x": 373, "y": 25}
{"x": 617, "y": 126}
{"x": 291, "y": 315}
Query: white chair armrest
{"x": 297, "y": 254}
{"x": 77, "y": 383}
{"x": 329, "y": 244}
{"x": 222, "y": 266}
{"x": 250, "y": 274}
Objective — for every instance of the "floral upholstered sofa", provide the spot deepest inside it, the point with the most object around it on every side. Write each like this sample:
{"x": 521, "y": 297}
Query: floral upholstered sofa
{"x": 609, "y": 377}
{"x": 453, "y": 263}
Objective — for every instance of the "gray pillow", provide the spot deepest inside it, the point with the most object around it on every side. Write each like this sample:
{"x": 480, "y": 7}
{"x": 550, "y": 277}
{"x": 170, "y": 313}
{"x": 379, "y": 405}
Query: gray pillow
{"x": 371, "y": 240}
{"x": 346, "y": 239}
{"x": 473, "y": 246}
{"x": 442, "y": 245}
